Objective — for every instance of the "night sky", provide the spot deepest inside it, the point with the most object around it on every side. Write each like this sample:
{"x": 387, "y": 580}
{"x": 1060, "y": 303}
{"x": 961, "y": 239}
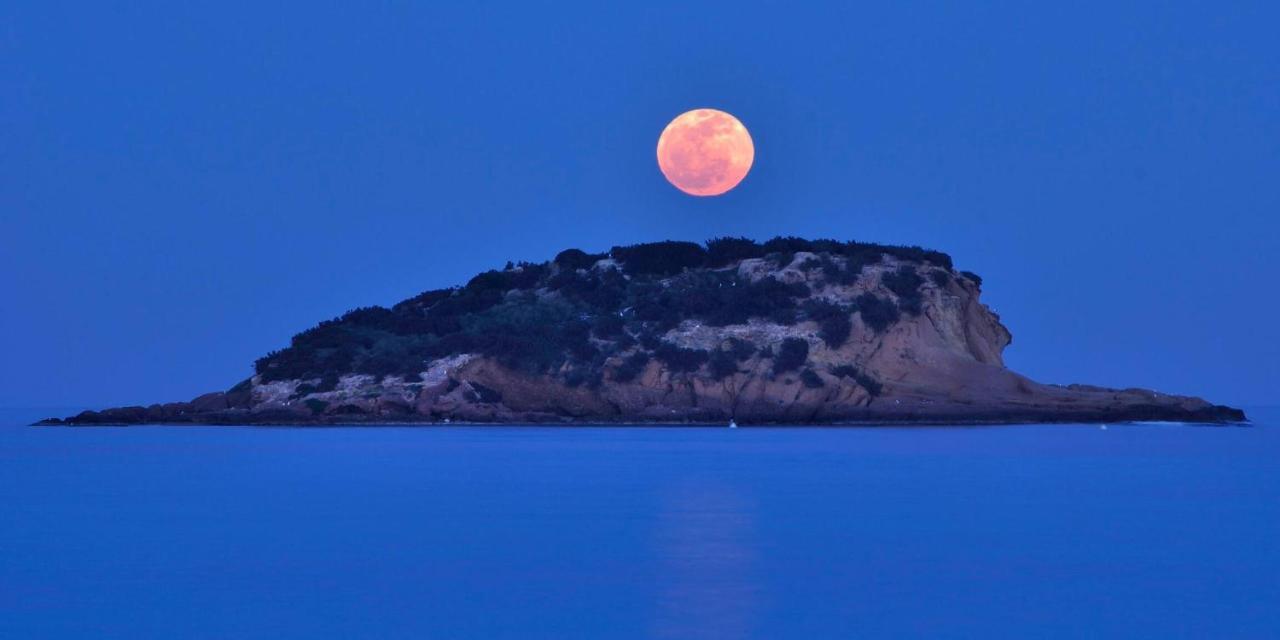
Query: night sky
{"x": 184, "y": 188}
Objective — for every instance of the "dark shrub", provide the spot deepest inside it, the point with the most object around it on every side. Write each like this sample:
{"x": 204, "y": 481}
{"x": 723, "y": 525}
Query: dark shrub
{"x": 766, "y": 298}
{"x": 273, "y": 365}
{"x": 288, "y": 364}
{"x": 811, "y": 379}
{"x": 466, "y": 301}
{"x": 582, "y": 350}
{"x": 609, "y": 292}
{"x": 603, "y": 291}
{"x": 975, "y": 278}
{"x": 717, "y": 298}
{"x": 905, "y": 283}
{"x": 372, "y": 317}
{"x": 660, "y": 258}
{"x": 835, "y": 330}
{"x": 784, "y": 317}
{"x": 878, "y": 313}
{"x": 328, "y": 383}
{"x": 649, "y": 301}
{"x": 788, "y": 244}
{"x": 631, "y": 367}
{"x": 680, "y": 358}
{"x": 567, "y": 280}
{"x": 826, "y": 245}
{"x": 316, "y": 405}
{"x": 792, "y": 354}
{"x": 817, "y": 308}
{"x": 741, "y": 300}
{"x": 697, "y": 294}
{"x": 649, "y": 339}
{"x": 328, "y": 347}
{"x": 424, "y": 300}
{"x": 773, "y": 293}
{"x": 830, "y": 268}
{"x": 838, "y": 272}
{"x": 526, "y": 275}
{"x": 607, "y": 326}
{"x": 656, "y": 314}
{"x": 940, "y": 278}
{"x": 833, "y": 321}
{"x": 330, "y": 334}
{"x": 725, "y": 251}
{"x": 722, "y": 364}
{"x": 527, "y": 336}
{"x": 624, "y": 341}
{"x": 859, "y": 260}
{"x": 579, "y": 376}
{"x": 865, "y": 381}
{"x": 938, "y": 258}
{"x": 741, "y": 349}
{"x": 577, "y": 259}
{"x": 490, "y": 281}
{"x": 389, "y": 358}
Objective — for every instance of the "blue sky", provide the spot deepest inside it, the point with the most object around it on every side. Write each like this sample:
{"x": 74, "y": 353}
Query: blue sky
{"x": 182, "y": 188}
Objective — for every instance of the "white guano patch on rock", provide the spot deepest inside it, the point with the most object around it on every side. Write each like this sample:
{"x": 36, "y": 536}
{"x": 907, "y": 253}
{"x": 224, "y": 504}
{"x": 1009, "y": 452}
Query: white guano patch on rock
{"x": 355, "y": 382}
{"x": 692, "y": 334}
{"x": 440, "y": 369}
{"x": 274, "y": 394}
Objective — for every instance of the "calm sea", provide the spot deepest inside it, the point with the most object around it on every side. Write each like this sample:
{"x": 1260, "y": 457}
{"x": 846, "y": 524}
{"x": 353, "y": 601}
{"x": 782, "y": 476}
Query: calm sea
{"x": 1154, "y": 531}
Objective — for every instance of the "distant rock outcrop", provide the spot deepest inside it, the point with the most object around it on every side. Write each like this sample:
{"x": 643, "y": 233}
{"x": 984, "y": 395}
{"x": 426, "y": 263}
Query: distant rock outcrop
{"x": 789, "y": 331}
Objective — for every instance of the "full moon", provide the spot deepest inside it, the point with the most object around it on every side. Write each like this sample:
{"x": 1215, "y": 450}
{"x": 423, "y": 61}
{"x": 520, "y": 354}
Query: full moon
{"x": 705, "y": 152}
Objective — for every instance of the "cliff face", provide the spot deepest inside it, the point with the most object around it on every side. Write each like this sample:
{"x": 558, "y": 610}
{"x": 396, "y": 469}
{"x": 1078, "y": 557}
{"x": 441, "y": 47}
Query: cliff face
{"x": 827, "y": 335}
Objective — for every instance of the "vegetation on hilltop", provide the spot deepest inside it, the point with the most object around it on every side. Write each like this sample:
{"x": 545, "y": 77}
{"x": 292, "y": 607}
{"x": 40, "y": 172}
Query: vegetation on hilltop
{"x": 569, "y": 315}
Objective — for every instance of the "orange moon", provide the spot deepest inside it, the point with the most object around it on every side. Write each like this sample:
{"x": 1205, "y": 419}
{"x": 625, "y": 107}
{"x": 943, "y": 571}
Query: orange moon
{"x": 705, "y": 152}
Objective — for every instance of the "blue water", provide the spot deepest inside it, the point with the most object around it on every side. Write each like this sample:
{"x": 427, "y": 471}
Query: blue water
{"x": 1157, "y": 531}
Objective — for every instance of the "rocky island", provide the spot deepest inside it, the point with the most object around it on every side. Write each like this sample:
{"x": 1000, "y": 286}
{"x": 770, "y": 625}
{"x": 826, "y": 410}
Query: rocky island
{"x": 788, "y": 331}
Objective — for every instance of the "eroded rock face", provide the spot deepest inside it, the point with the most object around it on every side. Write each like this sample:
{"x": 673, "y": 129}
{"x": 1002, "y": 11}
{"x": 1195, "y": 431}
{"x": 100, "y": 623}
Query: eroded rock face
{"x": 940, "y": 361}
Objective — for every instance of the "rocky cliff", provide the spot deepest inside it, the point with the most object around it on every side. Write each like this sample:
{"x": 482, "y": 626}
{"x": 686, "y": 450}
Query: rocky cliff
{"x": 789, "y": 331}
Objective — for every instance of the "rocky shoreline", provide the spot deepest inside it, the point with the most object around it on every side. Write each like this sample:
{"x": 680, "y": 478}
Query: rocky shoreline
{"x": 1215, "y": 416}
{"x": 222, "y": 409}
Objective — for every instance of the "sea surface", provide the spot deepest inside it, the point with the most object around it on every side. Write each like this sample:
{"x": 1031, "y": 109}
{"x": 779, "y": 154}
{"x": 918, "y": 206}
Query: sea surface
{"x": 1068, "y": 531}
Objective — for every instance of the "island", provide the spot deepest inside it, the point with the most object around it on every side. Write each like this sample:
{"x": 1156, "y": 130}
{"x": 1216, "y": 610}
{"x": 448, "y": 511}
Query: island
{"x": 784, "y": 332}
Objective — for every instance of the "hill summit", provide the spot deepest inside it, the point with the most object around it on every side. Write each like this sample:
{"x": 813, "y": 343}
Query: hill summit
{"x": 789, "y": 331}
